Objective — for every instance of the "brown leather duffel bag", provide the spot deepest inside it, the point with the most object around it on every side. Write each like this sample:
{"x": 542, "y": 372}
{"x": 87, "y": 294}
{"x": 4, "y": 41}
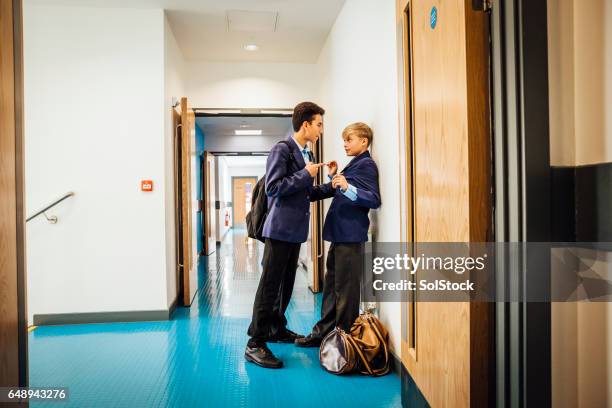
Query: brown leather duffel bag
{"x": 337, "y": 352}
{"x": 365, "y": 348}
{"x": 370, "y": 338}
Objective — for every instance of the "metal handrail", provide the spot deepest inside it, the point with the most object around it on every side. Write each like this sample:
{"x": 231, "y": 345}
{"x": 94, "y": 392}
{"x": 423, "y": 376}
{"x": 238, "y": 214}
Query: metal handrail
{"x": 52, "y": 219}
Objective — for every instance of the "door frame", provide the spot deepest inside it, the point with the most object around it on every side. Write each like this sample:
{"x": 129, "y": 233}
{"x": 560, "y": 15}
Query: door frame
{"x": 232, "y": 184}
{"x": 14, "y": 327}
{"x": 317, "y": 213}
{"x": 522, "y": 184}
{"x": 208, "y": 207}
{"x": 184, "y": 172}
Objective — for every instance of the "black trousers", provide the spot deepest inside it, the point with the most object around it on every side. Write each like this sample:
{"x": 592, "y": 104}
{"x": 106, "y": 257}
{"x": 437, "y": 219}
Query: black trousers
{"x": 341, "y": 288}
{"x": 274, "y": 291}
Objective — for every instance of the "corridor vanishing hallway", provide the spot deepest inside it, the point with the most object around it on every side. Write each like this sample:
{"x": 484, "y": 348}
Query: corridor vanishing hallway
{"x": 196, "y": 358}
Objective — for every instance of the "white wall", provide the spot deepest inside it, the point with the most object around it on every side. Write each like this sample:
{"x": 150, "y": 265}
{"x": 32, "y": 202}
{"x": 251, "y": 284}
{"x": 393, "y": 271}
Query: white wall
{"x": 222, "y": 197}
{"x": 94, "y": 124}
{"x": 232, "y": 143}
{"x": 580, "y": 89}
{"x": 173, "y": 89}
{"x": 250, "y": 85}
{"x": 244, "y": 171}
{"x": 580, "y": 97}
{"x": 357, "y": 69}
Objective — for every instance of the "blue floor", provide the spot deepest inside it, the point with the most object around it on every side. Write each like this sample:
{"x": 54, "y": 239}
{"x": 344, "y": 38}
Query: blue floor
{"x": 197, "y": 358}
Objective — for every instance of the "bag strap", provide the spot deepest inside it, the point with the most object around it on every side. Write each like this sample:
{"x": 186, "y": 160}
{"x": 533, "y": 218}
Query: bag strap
{"x": 383, "y": 341}
{"x": 351, "y": 340}
{"x": 291, "y": 156}
{"x": 379, "y": 371}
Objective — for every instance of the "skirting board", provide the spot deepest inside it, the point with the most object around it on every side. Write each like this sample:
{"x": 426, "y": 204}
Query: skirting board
{"x": 412, "y": 397}
{"x": 104, "y": 317}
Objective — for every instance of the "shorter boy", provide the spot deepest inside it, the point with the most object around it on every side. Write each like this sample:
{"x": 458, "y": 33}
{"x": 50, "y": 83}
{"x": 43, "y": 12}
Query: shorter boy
{"x": 355, "y": 191}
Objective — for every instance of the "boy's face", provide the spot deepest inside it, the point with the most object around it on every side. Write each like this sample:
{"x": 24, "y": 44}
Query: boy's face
{"x": 313, "y": 130}
{"x": 355, "y": 145}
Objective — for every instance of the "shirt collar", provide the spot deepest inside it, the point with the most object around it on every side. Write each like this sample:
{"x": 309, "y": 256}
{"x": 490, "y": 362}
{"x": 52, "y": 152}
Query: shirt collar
{"x": 299, "y": 145}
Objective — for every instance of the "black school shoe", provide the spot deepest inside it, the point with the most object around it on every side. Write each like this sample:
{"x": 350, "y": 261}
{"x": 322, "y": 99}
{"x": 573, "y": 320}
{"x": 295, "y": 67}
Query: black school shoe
{"x": 308, "y": 341}
{"x": 261, "y": 355}
{"x": 286, "y": 336}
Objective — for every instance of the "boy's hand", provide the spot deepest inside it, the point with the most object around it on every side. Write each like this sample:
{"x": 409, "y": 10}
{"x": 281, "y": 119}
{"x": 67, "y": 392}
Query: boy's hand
{"x": 313, "y": 168}
{"x": 340, "y": 181}
{"x": 332, "y": 168}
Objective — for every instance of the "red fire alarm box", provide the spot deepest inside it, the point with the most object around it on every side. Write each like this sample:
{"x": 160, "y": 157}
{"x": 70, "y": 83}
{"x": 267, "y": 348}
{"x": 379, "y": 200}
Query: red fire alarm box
{"x": 146, "y": 185}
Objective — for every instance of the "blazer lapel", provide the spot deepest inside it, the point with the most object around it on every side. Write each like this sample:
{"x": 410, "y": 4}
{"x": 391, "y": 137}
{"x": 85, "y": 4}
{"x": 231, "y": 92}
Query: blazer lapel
{"x": 355, "y": 160}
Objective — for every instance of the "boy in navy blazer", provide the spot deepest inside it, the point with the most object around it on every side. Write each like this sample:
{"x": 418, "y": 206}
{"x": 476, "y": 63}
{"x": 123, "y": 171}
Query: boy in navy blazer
{"x": 290, "y": 172}
{"x": 355, "y": 191}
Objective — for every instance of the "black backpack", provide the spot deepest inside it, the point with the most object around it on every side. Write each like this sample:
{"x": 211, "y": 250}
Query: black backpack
{"x": 256, "y": 218}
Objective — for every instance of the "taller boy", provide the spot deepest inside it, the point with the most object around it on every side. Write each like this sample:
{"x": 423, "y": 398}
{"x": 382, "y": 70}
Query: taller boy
{"x": 290, "y": 173}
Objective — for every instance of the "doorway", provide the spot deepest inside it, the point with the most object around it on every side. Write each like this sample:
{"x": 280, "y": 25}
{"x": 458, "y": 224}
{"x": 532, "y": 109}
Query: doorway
{"x": 239, "y": 140}
{"x": 242, "y": 188}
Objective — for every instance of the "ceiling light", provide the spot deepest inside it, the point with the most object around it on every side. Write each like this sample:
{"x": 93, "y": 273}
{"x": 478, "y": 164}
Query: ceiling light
{"x": 248, "y": 132}
{"x": 287, "y": 112}
{"x": 251, "y": 47}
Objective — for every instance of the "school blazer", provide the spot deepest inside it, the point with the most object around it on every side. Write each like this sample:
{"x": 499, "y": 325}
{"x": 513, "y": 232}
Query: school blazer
{"x": 288, "y": 187}
{"x": 347, "y": 221}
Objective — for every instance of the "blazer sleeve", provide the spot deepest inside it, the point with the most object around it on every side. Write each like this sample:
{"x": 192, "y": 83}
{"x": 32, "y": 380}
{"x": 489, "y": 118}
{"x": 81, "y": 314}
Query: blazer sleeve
{"x": 368, "y": 193}
{"x": 322, "y": 191}
{"x": 279, "y": 182}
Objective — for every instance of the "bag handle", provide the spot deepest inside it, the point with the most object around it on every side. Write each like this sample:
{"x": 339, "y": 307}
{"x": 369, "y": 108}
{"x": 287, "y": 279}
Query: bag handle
{"x": 372, "y": 322}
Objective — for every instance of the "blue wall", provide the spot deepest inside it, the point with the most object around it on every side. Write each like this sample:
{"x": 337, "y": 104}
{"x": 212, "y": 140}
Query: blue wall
{"x": 199, "y": 151}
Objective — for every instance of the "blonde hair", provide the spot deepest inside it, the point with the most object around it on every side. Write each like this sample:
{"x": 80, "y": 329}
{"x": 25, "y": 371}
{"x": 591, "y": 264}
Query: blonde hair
{"x": 359, "y": 129}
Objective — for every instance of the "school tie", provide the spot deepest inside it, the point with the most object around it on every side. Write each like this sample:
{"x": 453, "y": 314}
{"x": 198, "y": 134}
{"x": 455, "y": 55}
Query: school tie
{"x": 305, "y": 155}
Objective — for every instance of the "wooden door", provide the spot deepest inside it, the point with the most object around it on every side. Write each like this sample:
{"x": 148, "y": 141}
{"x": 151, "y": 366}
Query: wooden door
{"x": 13, "y": 319}
{"x": 209, "y": 216}
{"x": 188, "y": 203}
{"x": 242, "y": 188}
{"x": 314, "y": 244}
{"x": 446, "y": 347}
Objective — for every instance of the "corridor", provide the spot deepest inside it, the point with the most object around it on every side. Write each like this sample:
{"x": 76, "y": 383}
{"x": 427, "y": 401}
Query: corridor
{"x": 196, "y": 359}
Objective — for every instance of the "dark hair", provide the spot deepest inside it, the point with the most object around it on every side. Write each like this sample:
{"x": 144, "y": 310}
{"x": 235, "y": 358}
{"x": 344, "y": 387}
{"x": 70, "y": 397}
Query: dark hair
{"x": 305, "y": 112}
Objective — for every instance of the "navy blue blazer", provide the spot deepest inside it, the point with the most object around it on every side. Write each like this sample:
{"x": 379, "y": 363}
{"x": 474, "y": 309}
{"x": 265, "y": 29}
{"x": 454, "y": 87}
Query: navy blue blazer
{"x": 288, "y": 187}
{"x": 346, "y": 220}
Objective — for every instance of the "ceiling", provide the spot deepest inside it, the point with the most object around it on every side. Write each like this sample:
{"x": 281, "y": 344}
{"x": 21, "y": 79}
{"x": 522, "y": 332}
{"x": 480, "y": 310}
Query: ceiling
{"x": 201, "y": 27}
{"x": 276, "y": 127}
